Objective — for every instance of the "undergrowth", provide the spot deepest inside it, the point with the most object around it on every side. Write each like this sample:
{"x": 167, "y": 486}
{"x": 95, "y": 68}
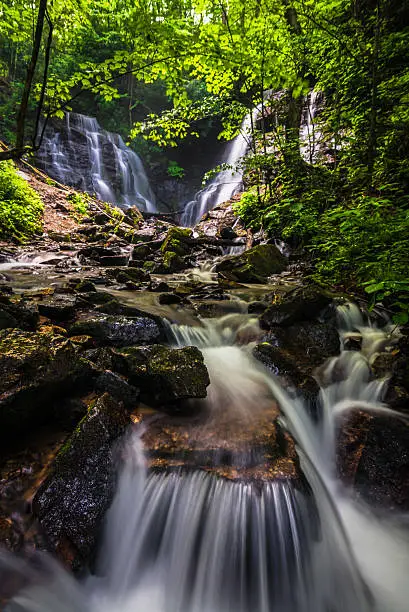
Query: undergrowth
{"x": 21, "y": 207}
{"x": 356, "y": 240}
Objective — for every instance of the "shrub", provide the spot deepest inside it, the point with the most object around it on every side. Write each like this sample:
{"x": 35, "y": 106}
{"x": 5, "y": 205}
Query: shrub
{"x": 20, "y": 206}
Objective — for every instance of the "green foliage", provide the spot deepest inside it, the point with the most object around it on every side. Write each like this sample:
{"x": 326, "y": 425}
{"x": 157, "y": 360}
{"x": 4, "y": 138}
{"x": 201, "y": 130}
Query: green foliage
{"x": 20, "y": 206}
{"x": 175, "y": 171}
{"x": 80, "y": 203}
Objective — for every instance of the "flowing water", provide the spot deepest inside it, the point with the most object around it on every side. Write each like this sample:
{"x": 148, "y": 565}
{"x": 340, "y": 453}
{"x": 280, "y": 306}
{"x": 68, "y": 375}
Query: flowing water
{"x": 85, "y": 156}
{"x": 186, "y": 541}
{"x": 226, "y": 183}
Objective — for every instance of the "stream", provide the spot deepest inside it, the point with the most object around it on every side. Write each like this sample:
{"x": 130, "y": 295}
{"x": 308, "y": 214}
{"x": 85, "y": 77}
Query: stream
{"x": 236, "y": 536}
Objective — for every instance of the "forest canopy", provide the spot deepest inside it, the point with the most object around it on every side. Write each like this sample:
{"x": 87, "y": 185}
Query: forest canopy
{"x": 161, "y": 72}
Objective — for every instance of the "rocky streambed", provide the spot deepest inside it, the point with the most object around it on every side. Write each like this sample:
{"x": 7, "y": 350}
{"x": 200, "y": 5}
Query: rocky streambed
{"x": 133, "y": 323}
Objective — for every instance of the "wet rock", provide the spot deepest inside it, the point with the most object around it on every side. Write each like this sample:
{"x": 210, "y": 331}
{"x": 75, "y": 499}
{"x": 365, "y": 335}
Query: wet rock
{"x": 125, "y": 274}
{"x": 169, "y": 298}
{"x": 36, "y": 369}
{"x": 95, "y": 252}
{"x": 133, "y": 216}
{"x": 382, "y": 475}
{"x": 283, "y": 364}
{"x": 254, "y": 265}
{"x": 85, "y": 286}
{"x": 176, "y": 241}
{"x": 22, "y": 315}
{"x": 164, "y": 374}
{"x": 72, "y": 502}
{"x": 172, "y": 262}
{"x": 159, "y": 287}
{"x": 395, "y": 367}
{"x": 140, "y": 252}
{"x": 302, "y": 304}
{"x": 256, "y": 307}
{"x": 101, "y": 218}
{"x": 228, "y": 233}
{"x": 58, "y": 308}
{"x": 118, "y": 388}
{"x": 117, "y": 330}
{"x": 310, "y": 343}
{"x": 114, "y": 260}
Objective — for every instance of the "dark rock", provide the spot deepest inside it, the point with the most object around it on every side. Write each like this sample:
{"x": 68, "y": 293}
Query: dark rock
{"x": 159, "y": 287}
{"x": 101, "y": 218}
{"x": 302, "y": 304}
{"x": 72, "y": 502}
{"x": 382, "y": 476}
{"x": 169, "y": 298}
{"x": 164, "y": 374}
{"x": 114, "y": 260}
{"x": 37, "y": 368}
{"x": 119, "y": 388}
{"x": 310, "y": 343}
{"x": 283, "y": 364}
{"x": 117, "y": 330}
{"x": 102, "y": 357}
{"x": 176, "y": 241}
{"x": 172, "y": 262}
{"x": 95, "y": 252}
{"x": 256, "y": 307}
{"x": 58, "y": 308}
{"x": 85, "y": 287}
{"x": 125, "y": 274}
{"x": 228, "y": 233}
{"x": 140, "y": 252}
{"x": 133, "y": 216}
{"x": 395, "y": 366}
{"x": 22, "y": 315}
{"x": 254, "y": 265}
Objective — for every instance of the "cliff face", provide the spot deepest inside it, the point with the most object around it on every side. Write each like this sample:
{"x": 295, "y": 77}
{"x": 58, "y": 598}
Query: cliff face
{"x": 79, "y": 153}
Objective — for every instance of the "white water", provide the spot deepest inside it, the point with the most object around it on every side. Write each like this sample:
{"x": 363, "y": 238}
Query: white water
{"x": 226, "y": 183}
{"x": 114, "y": 173}
{"x": 188, "y": 542}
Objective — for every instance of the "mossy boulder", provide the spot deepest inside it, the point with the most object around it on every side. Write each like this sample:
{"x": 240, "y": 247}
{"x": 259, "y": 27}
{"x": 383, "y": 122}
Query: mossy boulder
{"x": 172, "y": 262}
{"x": 72, "y": 502}
{"x": 124, "y": 274}
{"x": 254, "y": 265}
{"x": 23, "y": 315}
{"x": 302, "y": 304}
{"x": 176, "y": 241}
{"x": 117, "y": 330}
{"x": 165, "y": 374}
{"x": 37, "y": 368}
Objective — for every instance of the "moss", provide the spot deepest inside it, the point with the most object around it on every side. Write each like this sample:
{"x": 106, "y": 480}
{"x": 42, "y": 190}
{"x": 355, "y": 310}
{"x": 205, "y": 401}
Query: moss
{"x": 254, "y": 265}
{"x": 175, "y": 241}
{"x": 20, "y": 206}
{"x": 173, "y": 262}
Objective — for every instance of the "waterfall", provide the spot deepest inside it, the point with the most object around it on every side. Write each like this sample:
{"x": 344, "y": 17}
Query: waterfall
{"x": 226, "y": 183}
{"x": 187, "y": 541}
{"x": 83, "y": 155}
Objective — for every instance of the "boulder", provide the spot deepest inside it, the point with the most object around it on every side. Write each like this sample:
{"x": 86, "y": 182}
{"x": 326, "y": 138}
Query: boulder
{"x": 283, "y": 364}
{"x": 377, "y": 464}
{"x": 118, "y": 388}
{"x": 37, "y": 368}
{"x": 254, "y": 265}
{"x": 302, "y": 304}
{"x": 18, "y": 314}
{"x": 124, "y": 274}
{"x": 165, "y": 374}
{"x": 117, "y": 330}
{"x": 58, "y": 308}
{"x": 176, "y": 241}
{"x": 72, "y": 502}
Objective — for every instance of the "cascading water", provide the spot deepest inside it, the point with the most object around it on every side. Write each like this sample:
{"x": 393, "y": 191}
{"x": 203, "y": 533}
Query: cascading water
{"x": 84, "y": 156}
{"x": 225, "y": 184}
{"x": 186, "y": 541}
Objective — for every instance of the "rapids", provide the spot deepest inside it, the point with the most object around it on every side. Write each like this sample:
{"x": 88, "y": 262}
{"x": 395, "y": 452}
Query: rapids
{"x": 187, "y": 541}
